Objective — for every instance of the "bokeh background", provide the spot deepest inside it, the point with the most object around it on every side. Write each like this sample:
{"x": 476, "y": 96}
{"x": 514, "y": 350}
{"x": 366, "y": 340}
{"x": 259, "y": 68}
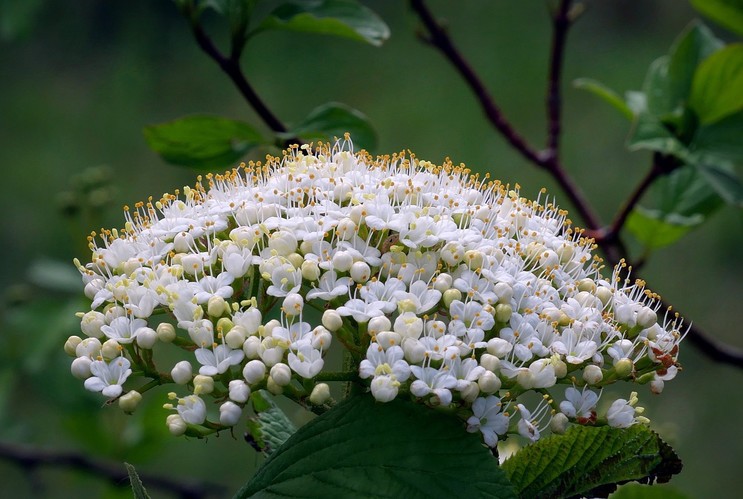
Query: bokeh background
{"x": 79, "y": 80}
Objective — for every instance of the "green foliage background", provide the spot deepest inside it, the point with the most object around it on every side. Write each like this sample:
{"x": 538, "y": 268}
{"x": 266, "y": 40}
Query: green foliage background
{"x": 80, "y": 80}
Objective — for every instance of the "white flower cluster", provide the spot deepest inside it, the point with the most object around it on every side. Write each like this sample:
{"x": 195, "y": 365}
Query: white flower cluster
{"x": 441, "y": 286}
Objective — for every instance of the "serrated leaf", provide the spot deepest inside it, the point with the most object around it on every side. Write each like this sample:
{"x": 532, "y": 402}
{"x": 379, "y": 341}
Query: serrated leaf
{"x": 721, "y": 139}
{"x": 203, "y": 142}
{"x": 344, "y": 18}
{"x": 648, "y": 132}
{"x": 590, "y": 460}
{"x": 728, "y": 13}
{"x": 724, "y": 182}
{"x": 138, "y": 489}
{"x": 333, "y": 120}
{"x": 270, "y": 427}
{"x": 639, "y": 491}
{"x": 362, "y": 448}
{"x": 717, "y": 89}
{"x": 606, "y": 94}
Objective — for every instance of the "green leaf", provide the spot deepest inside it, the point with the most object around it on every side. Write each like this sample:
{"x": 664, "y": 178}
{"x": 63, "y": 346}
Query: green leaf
{"x": 650, "y": 133}
{"x": 724, "y": 182}
{"x": 606, "y": 94}
{"x": 638, "y": 491}
{"x": 721, "y": 139}
{"x": 203, "y": 142}
{"x": 717, "y": 89}
{"x": 590, "y": 461}
{"x": 684, "y": 200}
{"x": 728, "y": 13}
{"x": 18, "y": 18}
{"x": 270, "y": 428}
{"x": 655, "y": 87}
{"x": 344, "y": 18}
{"x": 363, "y": 448}
{"x": 695, "y": 44}
{"x": 333, "y": 120}
{"x": 138, "y": 489}
{"x": 54, "y": 275}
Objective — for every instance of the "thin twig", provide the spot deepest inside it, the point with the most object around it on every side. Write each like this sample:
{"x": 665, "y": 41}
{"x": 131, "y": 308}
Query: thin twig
{"x": 561, "y": 24}
{"x": 31, "y": 458}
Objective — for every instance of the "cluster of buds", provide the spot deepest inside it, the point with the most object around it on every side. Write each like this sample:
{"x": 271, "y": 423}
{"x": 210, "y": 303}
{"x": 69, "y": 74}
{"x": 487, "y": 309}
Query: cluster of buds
{"x": 440, "y": 286}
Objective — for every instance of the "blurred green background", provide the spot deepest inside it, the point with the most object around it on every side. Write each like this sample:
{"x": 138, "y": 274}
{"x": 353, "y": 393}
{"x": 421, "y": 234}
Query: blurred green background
{"x": 81, "y": 79}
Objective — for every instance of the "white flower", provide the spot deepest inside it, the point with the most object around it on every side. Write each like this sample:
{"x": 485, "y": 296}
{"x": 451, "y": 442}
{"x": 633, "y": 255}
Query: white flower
{"x": 307, "y": 362}
{"x": 579, "y": 404}
{"x": 107, "y": 377}
{"x": 432, "y": 380}
{"x": 218, "y": 360}
{"x": 123, "y": 329}
{"x": 192, "y": 409}
{"x": 487, "y": 418}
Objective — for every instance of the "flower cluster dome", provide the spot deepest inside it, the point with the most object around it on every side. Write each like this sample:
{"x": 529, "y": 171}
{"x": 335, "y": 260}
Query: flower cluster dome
{"x": 439, "y": 285}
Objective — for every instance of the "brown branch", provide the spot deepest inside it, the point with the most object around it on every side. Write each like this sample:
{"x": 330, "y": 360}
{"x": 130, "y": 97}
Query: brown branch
{"x": 561, "y": 24}
{"x": 30, "y": 458}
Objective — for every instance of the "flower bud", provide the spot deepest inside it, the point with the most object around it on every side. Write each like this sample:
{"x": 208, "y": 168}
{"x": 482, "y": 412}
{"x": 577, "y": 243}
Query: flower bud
{"x": 183, "y": 242}
{"x": 91, "y": 323}
{"x": 110, "y": 349}
{"x": 146, "y": 337}
{"x": 252, "y": 347}
{"x": 408, "y": 325}
{"x": 283, "y": 242}
{"x": 129, "y": 401}
{"x": 292, "y": 305}
{"x": 503, "y": 312}
{"x": 561, "y": 368}
{"x": 656, "y": 386}
{"x": 386, "y": 339}
{"x": 442, "y": 282}
{"x": 254, "y": 371}
{"x": 165, "y": 332}
{"x": 559, "y": 423}
{"x": 452, "y": 253}
{"x": 414, "y": 350}
{"x": 378, "y": 324}
{"x": 182, "y": 372}
{"x": 203, "y": 384}
{"x": 360, "y": 272}
{"x": 592, "y": 374}
{"x": 321, "y": 338}
{"x": 470, "y": 393}
{"x": 296, "y": 260}
{"x": 604, "y": 294}
{"x": 624, "y": 368}
{"x": 270, "y": 326}
{"x": 229, "y": 413}
{"x": 451, "y": 295}
{"x": 281, "y": 374}
{"x": 176, "y": 425}
{"x": 587, "y": 284}
{"x": 71, "y": 345}
{"x": 320, "y": 394}
{"x": 80, "y": 367}
{"x": 332, "y": 320}
{"x": 489, "y": 382}
{"x": 310, "y": 270}
{"x": 504, "y": 292}
{"x": 216, "y": 306}
{"x": 490, "y": 362}
{"x": 273, "y": 387}
{"x": 646, "y": 317}
{"x": 473, "y": 259}
{"x": 235, "y": 337}
{"x": 89, "y": 347}
{"x": 499, "y": 347}
{"x": 239, "y": 391}
{"x": 342, "y": 261}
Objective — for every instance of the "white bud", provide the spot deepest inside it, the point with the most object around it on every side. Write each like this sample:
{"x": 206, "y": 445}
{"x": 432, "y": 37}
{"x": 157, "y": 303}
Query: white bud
{"x": 499, "y": 347}
{"x": 182, "y": 372}
{"x": 414, "y": 350}
{"x": 408, "y": 325}
{"x": 89, "y": 347}
{"x": 183, "y": 242}
{"x": 592, "y": 374}
{"x": 281, "y": 374}
{"x": 229, "y": 413}
{"x": 129, "y": 401}
{"x": 345, "y": 229}
{"x": 360, "y": 272}
{"x": 310, "y": 270}
{"x": 80, "y": 367}
{"x": 296, "y": 260}
{"x": 378, "y": 324}
{"x": 559, "y": 423}
{"x": 450, "y": 296}
{"x": 490, "y": 362}
{"x": 470, "y": 393}
{"x": 71, "y": 345}
{"x": 176, "y": 425}
{"x": 504, "y": 292}
{"x": 442, "y": 282}
{"x": 656, "y": 386}
{"x": 646, "y": 317}
{"x": 270, "y": 326}
{"x": 292, "y": 305}
{"x": 146, "y": 337}
{"x": 251, "y": 347}
{"x": 604, "y": 294}
{"x": 387, "y": 339}
{"x": 283, "y": 242}
{"x": 110, "y": 349}
{"x": 203, "y": 385}
{"x": 274, "y": 387}
{"x": 165, "y": 332}
{"x": 91, "y": 323}
{"x": 332, "y": 320}
{"x": 587, "y": 284}
{"x": 342, "y": 261}
{"x": 473, "y": 259}
{"x": 489, "y": 382}
{"x": 503, "y": 312}
{"x": 321, "y": 338}
{"x": 254, "y": 371}
{"x": 216, "y": 306}
{"x": 92, "y": 288}
{"x": 235, "y": 337}
{"x": 239, "y": 391}
{"x": 320, "y": 394}
{"x": 624, "y": 367}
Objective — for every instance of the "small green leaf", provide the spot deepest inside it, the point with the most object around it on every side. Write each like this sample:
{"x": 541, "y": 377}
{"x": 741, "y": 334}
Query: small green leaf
{"x": 590, "y": 461}
{"x": 655, "y": 87}
{"x": 728, "y": 13}
{"x": 724, "y": 182}
{"x": 606, "y": 94}
{"x": 333, "y": 120}
{"x": 638, "y": 491}
{"x": 721, "y": 139}
{"x": 717, "y": 89}
{"x": 694, "y": 44}
{"x": 203, "y": 142}
{"x": 344, "y": 18}
{"x": 650, "y": 133}
{"x": 363, "y": 448}
{"x": 138, "y": 489}
{"x": 270, "y": 428}
{"x": 655, "y": 229}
